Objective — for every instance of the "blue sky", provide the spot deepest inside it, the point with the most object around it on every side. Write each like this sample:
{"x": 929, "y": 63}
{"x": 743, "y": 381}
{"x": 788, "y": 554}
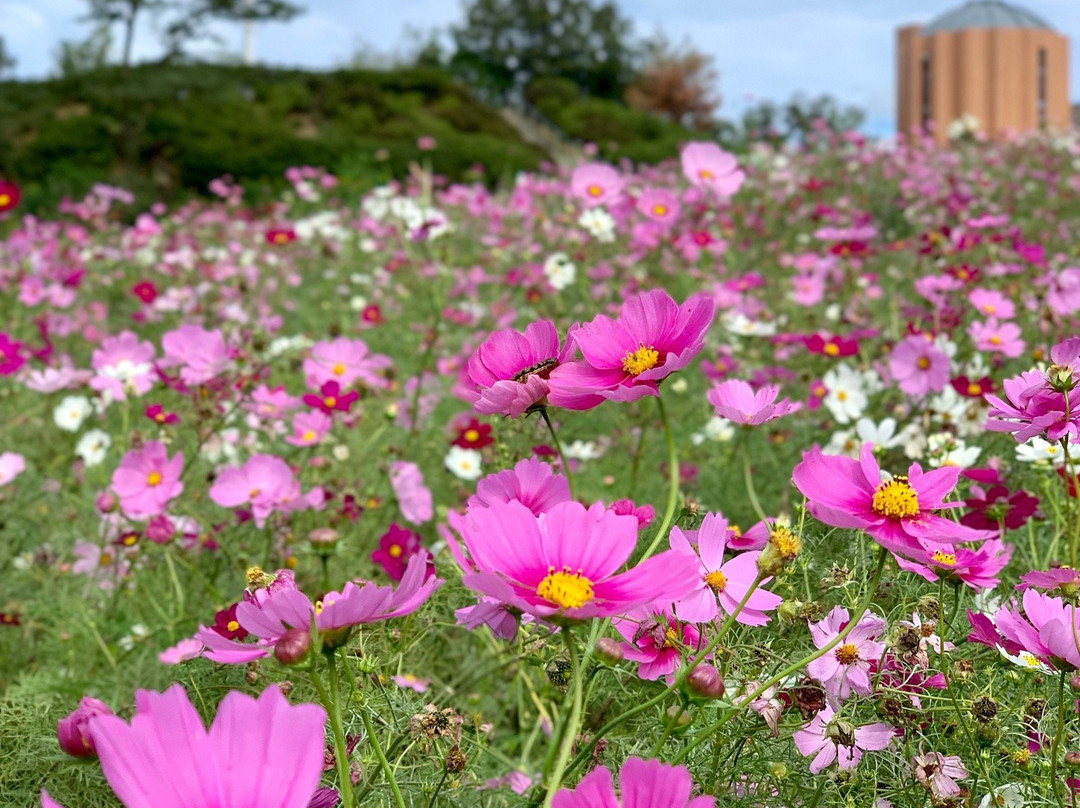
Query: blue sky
{"x": 762, "y": 48}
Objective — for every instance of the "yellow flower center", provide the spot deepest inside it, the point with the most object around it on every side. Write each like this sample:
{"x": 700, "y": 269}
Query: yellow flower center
{"x": 637, "y": 362}
{"x": 948, "y": 559}
{"x": 989, "y": 309}
{"x": 308, "y": 436}
{"x": 594, "y": 190}
{"x": 160, "y": 417}
{"x": 567, "y": 590}
{"x": 785, "y": 542}
{"x": 671, "y": 636}
{"x": 232, "y": 625}
{"x": 659, "y": 210}
{"x": 394, "y": 551}
{"x": 896, "y": 499}
{"x": 705, "y": 174}
{"x": 471, "y": 436}
{"x": 923, "y": 363}
{"x": 254, "y": 492}
{"x": 330, "y": 402}
{"x": 4, "y": 200}
{"x": 832, "y": 349}
{"x": 153, "y": 478}
{"x": 974, "y": 389}
{"x": 716, "y": 580}
{"x": 105, "y": 560}
{"x": 338, "y": 369}
{"x": 841, "y": 395}
{"x": 995, "y": 340}
{"x": 280, "y": 238}
{"x": 847, "y": 653}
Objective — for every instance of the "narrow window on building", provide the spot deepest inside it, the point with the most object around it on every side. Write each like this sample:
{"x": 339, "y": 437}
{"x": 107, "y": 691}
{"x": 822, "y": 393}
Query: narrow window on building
{"x": 924, "y": 91}
{"x": 1042, "y": 87}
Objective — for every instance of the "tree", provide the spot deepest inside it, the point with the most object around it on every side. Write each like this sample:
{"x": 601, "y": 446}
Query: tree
{"x": 126, "y": 12}
{"x": 73, "y": 58}
{"x": 678, "y": 84}
{"x": 7, "y": 61}
{"x": 505, "y": 44}
{"x": 796, "y": 120}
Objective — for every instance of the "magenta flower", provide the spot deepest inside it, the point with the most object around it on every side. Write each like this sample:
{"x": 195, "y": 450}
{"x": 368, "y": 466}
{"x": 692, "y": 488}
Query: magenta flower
{"x": 414, "y": 498}
{"x": 976, "y": 568}
{"x": 831, "y": 740}
{"x": 642, "y": 783}
{"x": 846, "y": 669}
{"x": 344, "y": 361}
{"x": 201, "y": 355}
{"x": 11, "y": 356}
{"x": 1047, "y": 630}
{"x": 565, "y": 562}
{"x": 73, "y": 731}
{"x": 147, "y": 479}
{"x": 531, "y": 481}
{"x": 330, "y": 398}
{"x": 596, "y": 184}
{"x": 1034, "y": 406}
{"x": 121, "y": 364}
{"x": 736, "y": 400}
{"x": 510, "y": 369}
{"x": 269, "y": 612}
{"x": 267, "y": 484}
{"x": 707, "y": 166}
{"x": 720, "y": 584}
{"x": 396, "y": 546}
{"x": 1064, "y": 579}
{"x": 625, "y": 358}
{"x": 263, "y": 752}
{"x": 919, "y": 366}
{"x": 897, "y": 512}
{"x": 655, "y": 641}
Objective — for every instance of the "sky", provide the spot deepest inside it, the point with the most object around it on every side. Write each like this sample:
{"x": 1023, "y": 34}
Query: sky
{"x": 762, "y": 49}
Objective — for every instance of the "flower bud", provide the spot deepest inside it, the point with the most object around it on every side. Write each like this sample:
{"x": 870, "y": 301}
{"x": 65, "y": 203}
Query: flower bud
{"x": 790, "y": 611}
{"x": 679, "y": 718}
{"x": 160, "y": 529}
{"x": 1074, "y": 682}
{"x": 106, "y": 502}
{"x": 1072, "y": 760}
{"x": 293, "y": 647}
{"x": 705, "y": 681}
{"x": 1060, "y": 378}
{"x": 73, "y": 733}
{"x": 609, "y": 651}
{"x": 323, "y": 538}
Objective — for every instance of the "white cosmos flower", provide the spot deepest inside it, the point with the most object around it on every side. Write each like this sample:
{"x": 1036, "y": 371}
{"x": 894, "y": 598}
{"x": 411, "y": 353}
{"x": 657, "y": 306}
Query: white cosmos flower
{"x": 1006, "y": 796}
{"x": 583, "y": 450}
{"x": 598, "y": 224}
{"x": 1041, "y": 452}
{"x": 846, "y": 398}
{"x": 93, "y": 446}
{"x": 559, "y": 270}
{"x": 71, "y": 412}
{"x": 1026, "y": 660}
{"x": 465, "y": 464}
{"x": 946, "y": 450}
{"x": 882, "y": 435}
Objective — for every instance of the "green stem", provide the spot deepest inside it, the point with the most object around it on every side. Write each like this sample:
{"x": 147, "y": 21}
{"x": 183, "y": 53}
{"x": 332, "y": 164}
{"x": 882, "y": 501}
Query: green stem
{"x": 573, "y": 721}
{"x": 1055, "y": 747}
{"x": 558, "y": 448}
{"x": 748, "y": 480}
{"x": 331, "y": 700}
{"x": 795, "y": 667}
{"x": 673, "y": 482}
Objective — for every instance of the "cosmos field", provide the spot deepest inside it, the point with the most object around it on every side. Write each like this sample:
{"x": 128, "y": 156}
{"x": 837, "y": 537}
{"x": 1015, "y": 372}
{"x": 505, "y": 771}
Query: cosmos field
{"x": 738, "y": 480}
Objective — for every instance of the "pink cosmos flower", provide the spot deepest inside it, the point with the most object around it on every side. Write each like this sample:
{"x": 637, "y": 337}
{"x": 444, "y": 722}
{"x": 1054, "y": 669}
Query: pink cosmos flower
{"x": 409, "y": 682}
{"x": 596, "y": 184}
{"x": 1032, "y": 406}
{"x": 267, "y": 484}
{"x": 396, "y": 547}
{"x": 707, "y": 166}
{"x": 939, "y": 774}
{"x": 309, "y": 428}
{"x": 846, "y": 669}
{"x": 510, "y": 369}
{"x": 997, "y": 337}
{"x": 720, "y": 584}
{"x": 658, "y": 204}
{"x": 737, "y": 401}
{"x": 72, "y": 731}
{"x": 1047, "y": 629}
{"x": 263, "y": 752}
{"x": 642, "y": 783}
{"x": 976, "y": 568}
{"x": 330, "y": 398}
{"x": 531, "y": 481}
{"x": 11, "y": 356}
{"x": 565, "y": 562}
{"x": 897, "y": 513}
{"x": 992, "y": 303}
{"x": 202, "y": 355}
{"x": 919, "y": 366}
{"x": 12, "y": 465}
{"x": 267, "y": 613}
{"x": 344, "y": 361}
{"x": 625, "y": 358}
{"x": 655, "y": 641}
{"x": 147, "y": 479}
{"x": 414, "y": 499}
{"x": 123, "y": 363}
{"x": 830, "y": 740}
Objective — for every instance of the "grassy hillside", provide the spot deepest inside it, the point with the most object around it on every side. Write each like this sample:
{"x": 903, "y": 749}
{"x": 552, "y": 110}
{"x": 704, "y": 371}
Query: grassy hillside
{"x": 166, "y": 131}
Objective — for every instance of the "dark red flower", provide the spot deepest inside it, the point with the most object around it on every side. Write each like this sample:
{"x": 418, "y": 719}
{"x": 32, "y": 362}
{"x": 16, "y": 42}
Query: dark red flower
{"x": 396, "y": 546}
{"x": 331, "y": 399}
{"x": 145, "y": 291}
{"x": 994, "y": 506}
{"x": 474, "y": 435}
{"x": 9, "y": 195}
{"x": 279, "y": 236}
{"x": 226, "y": 624}
{"x": 831, "y": 346}
{"x": 970, "y": 388}
{"x": 157, "y": 414}
{"x": 850, "y": 249}
{"x": 9, "y": 619}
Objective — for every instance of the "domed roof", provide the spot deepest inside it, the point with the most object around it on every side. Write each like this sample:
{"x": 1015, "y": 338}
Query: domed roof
{"x": 986, "y": 14}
